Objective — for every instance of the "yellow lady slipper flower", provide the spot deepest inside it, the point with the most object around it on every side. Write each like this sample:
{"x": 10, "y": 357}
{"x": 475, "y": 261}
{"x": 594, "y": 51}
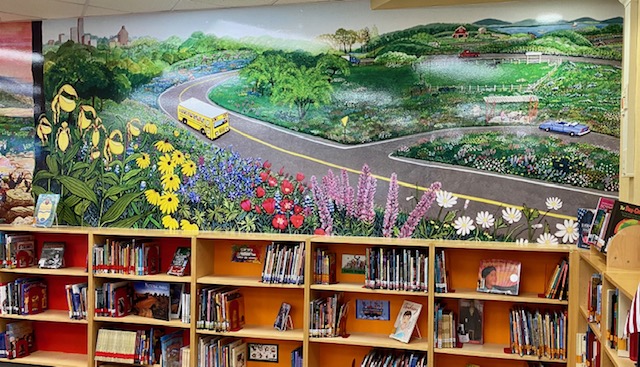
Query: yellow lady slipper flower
{"x": 166, "y": 165}
{"x": 169, "y": 203}
{"x": 113, "y": 146}
{"x": 188, "y": 168}
{"x": 163, "y": 146}
{"x": 150, "y": 128}
{"x": 153, "y": 197}
{"x": 143, "y": 161}
{"x": 186, "y": 226}
{"x": 178, "y": 157}
{"x": 170, "y": 182}
{"x": 169, "y": 222}
{"x": 63, "y": 136}
{"x": 44, "y": 129}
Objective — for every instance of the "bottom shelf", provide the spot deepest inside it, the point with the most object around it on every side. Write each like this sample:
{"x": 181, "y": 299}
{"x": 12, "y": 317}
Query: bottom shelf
{"x": 488, "y": 350}
{"x": 54, "y": 359}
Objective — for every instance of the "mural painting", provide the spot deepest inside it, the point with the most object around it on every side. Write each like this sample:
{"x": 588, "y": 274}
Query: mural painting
{"x": 17, "y": 158}
{"x": 357, "y": 125}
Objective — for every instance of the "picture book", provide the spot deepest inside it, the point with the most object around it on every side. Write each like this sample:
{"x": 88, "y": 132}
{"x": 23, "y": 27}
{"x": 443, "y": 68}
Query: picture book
{"x": 45, "y": 210}
{"x": 282, "y": 317}
{"x": 471, "y": 321}
{"x": 406, "y": 321}
{"x": 152, "y": 299}
{"x": 372, "y": 309}
{"x": 12, "y": 241}
{"x": 353, "y": 264}
{"x": 19, "y": 339}
{"x": 52, "y": 255}
{"x": 177, "y": 289}
{"x": 234, "y": 308}
{"x": 180, "y": 263}
{"x": 585, "y": 217}
{"x": 499, "y": 276}
{"x": 239, "y": 355}
{"x": 600, "y": 220}
{"x": 34, "y": 296}
{"x": 245, "y": 254}
{"x": 170, "y": 345}
{"x": 25, "y": 253}
{"x": 622, "y": 215}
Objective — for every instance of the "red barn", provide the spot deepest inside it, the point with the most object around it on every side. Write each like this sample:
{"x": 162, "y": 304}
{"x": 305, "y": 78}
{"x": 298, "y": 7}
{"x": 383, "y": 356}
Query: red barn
{"x": 460, "y": 32}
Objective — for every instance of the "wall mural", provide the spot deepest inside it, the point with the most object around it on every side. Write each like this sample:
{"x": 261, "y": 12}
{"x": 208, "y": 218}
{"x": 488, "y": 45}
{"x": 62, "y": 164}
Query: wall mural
{"x": 459, "y": 123}
{"x": 17, "y": 158}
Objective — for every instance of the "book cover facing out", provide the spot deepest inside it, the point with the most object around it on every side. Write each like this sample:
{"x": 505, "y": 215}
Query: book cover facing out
{"x": 152, "y": 299}
{"x": 499, "y": 276}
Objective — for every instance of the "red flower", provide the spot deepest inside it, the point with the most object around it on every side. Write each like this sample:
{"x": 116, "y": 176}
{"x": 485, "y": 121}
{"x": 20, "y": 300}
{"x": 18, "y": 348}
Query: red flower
{"x": 266, "y": 165}
{"x": 319, "y": 232}
{"x": 280, "y": 222}
{"x": 258, "y": 210}
{"x": 269, "y": 205}
{"x": 299, "y": 177}
{"x": 272, "y": 181}
{"x": 297, "y": 209}
{"x": 297, "y": 220}
{"x": 260, "y": 192}
{"x": 286, "y": 187}
{"x": 301, "y": 189}
{"x": 264, "y": 176}
{"x": 246, "y": 205}
{"x": 281, "y": 172}
{"x": 286, "y": 205}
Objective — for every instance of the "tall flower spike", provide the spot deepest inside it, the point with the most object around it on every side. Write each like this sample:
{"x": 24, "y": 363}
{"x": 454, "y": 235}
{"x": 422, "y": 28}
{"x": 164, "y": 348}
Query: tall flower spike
{"x": 392, "y": 207}
{"x": 326, "y": 219}
{"x": 420, "y": 210}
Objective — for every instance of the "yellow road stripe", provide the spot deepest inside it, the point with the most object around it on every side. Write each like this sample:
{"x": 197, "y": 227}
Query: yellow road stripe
{"x": 404, "y": 184}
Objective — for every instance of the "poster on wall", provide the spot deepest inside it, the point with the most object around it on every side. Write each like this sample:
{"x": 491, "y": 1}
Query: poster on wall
{"x": 17, "y": 157}
{"x": 473, "y": 122}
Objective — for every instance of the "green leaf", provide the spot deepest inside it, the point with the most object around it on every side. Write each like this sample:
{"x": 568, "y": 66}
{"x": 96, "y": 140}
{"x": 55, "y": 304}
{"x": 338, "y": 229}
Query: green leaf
{"x": 66, "y": 215}
{"x": 115, "y": 191}
{"x": 37, "y": 190}
{"x": 52, "y": 164}
{"x": 130, "y": 174}
{"x": 132, "y": 157}
{"x": 79, "y": 165}
{"x": 449, "y": 217}
{"x": 72, "y": 200}
{"x": 110, "y": 179}
{"x": 127, "y": 222}
{"x": 78, "y": 188}
{"x": 42, "y": 175}
{"x": 82, "y": 207}
{"x": 119, "y": 206}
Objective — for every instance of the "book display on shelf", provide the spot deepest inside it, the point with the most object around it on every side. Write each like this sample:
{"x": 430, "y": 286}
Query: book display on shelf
{"x": 622, "y": 215}
{"x": 19, "y": 339}
{"x": 18, "y": 250}
{"x": 406, "y": 320}
{"x": 180, "y": 262}
{"x": 141, "y": 347}
{"x": 239, "y": 354}
{"x": 23, "y": 296}
{"x": 594, "y": 305}
{"x": 540, "y": 334}
{"x": 284, "y": 263}
{"x": 380, "y": 357}
{"x": 324, "y": 266}
{"x": 471, "y": 321}
{"x": 176, "y": 291}
{"x": 221, "y": 309}
{"x": 585, "y": 218}
{"x": 296, "y": 357}
{"x": 397, "y": 269}
{"x": 600, "y": 221}
{"x": 499, "y": 276}
{"x": 283, "y": 319}
{"x": 126, "y": 257}
{"x": 558, "y": 287}
{"x": 52, "y": 255}
{"x": 442, "y": 285}
{"x": 152, "y": 299}
{"x": 170, "y": 345}
{"x": 113, "y": 299}
{"x": 77, "y": 300}
{"x": 214, "y": 351}
{"x": 328, "y": 316}
{"x": 45, "y": 210}
{"x": 444, "y": 332}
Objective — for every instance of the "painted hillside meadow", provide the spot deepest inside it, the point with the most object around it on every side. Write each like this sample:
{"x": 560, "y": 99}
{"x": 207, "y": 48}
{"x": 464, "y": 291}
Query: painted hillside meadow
{"x": 115, "y": 150}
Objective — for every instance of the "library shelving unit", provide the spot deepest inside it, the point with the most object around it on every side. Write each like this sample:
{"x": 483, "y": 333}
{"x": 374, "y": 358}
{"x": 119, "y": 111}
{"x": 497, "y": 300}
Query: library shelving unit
{"x": 64, "y": 342}
{"x": 620, "y": 269}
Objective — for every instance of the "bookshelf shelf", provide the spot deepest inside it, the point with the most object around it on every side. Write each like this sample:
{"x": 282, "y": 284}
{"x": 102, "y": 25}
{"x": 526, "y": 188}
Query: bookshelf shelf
{"x": 626, "y": 281}
{"x": 57, "y": 359}
{"x": 243, "y": 281}
{"x": 490, "y": 350}
{"x": 522, "y": 298}
{"x": 617, "y": 360}
{"x": 61, "y": 316}
{"x": 595, "y": 259}
{"x": 71, "y": 272}
{"x": 359, "y": 288}
{"x": 374, "y": 341}
{"x": 259, "y": 332}
{"x": 139, "y": 320}
{"x": 147, "y": 278}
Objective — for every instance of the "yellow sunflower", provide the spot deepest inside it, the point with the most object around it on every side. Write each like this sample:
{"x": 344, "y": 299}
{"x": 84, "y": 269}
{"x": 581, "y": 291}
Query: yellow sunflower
{"x": 186, "y": 226}
{"x": 169, "y": 203}
{"x": 170, "y": 182}
{"x": 169, "y": 222}
{"x": 176, "y": 133}
{"x": 178, "y": 157}
{"x": 189, "y": 168}
{"x": 143, "y": 161}
{"x": 163, "y": 146}
{"x": 150, "y": 128}
{"x": 166, "y": 165}
{"x": 153, "y": 197}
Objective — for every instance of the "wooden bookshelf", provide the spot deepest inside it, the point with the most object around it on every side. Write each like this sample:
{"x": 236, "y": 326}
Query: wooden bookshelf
{"x": 147, "y": 278}
{"x": 524, "y": 297}
{"x": 60, "y": 316}
{"x": 57, "y": 359}
{"x": 489, "y": 350}
{"x": 259, "y": 332}
{"x": 373, "y": 341}
{"x": 70, "y": 272}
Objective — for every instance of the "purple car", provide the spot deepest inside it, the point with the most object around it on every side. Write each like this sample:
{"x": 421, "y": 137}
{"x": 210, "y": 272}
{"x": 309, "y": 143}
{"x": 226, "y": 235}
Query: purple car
{"x": 570, "y": 128}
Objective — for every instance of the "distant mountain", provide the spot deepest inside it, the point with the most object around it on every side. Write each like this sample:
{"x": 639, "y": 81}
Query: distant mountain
{"x": 584, "y": 20}
{"x": 616, "y": 20}
{"x": 531, "y": 23}
{"x": 12, "y": 86}
{"x": 491, "y": 21}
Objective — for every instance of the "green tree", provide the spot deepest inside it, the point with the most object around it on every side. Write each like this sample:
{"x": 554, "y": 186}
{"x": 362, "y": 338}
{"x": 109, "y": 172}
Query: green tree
{"x": 265, "y": 71}
{"x": 332, "y": 65}
{"x": 303, "y": 88}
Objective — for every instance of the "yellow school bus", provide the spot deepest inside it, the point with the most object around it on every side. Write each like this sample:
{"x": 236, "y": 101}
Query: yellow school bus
{"x": 211, "y": 121}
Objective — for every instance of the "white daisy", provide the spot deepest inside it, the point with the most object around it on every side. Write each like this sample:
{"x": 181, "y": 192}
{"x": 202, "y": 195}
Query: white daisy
{"x": 554, "y": 203}
{"x": 446, "y": 199}
{"x": 547, "y": 239}
{"x": 567, "y": 231}
{"x": 485, "y": 219}
{"x": 511, "y": 215}
{"x": 522, "y": 241}
{"x": 463, "y": 225}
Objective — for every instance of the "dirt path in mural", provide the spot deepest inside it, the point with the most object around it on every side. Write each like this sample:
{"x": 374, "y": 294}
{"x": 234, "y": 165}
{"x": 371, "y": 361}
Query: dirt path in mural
{"x": 314, "y": 156}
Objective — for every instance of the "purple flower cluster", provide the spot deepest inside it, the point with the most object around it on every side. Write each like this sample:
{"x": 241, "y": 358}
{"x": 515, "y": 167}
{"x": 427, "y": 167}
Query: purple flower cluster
{"x": 419, "y": 211}
{"x": 322, "y": 202}
{"x": 366, "y": 191}
{"x": 392, "y": 207}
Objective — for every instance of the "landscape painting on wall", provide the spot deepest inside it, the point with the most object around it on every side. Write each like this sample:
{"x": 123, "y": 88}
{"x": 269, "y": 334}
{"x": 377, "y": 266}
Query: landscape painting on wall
{"x": 450, "y": 122}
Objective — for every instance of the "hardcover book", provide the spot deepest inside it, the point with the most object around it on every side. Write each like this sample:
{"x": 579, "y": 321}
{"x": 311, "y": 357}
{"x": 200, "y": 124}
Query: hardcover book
{"x": 152, "y": 299}
{"x": 499, "y": 276}
{"x": 177, "y": 290}
{"x": 585, "y": 217}
{"x": 239, "y": 355}
{"x": 19, "y": 339}
{"x": 471, "y": 321}
{"x": 622, "y": 215}
{"x": 170, "y": 345}
{"x": 600, "y": 220}
{"x": 372, "y": 309}
{"x": 45, "y": 210}
{"x": 180, "y": 263}
{"x": 282, "y": 317}
{"x": 52, "y": 255}
{"x": 406, "y": 321}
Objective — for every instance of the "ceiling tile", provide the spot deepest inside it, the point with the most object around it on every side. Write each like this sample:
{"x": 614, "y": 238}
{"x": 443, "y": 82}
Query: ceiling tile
{"x": 135, "y": 6}
{"x": 41, "y": 9}
{"x": 7, "y": 17}
{"x": 93, "y": 11}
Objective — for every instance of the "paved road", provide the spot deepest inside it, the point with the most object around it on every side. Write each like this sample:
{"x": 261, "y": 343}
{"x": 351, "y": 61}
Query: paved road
{"x": 314, "y": 156}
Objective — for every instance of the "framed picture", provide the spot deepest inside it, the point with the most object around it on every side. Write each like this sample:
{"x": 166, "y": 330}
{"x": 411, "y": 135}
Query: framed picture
{"x": 263, "y": 352}
{"x": 353, "y": 264}
{"x": 372, "y": 309}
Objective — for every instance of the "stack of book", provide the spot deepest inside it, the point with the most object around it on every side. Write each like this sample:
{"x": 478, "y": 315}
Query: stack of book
{"x": 538, "y": 334}
{"x": 185, "y": 356}
{"x": 558, "y": 287}
{"x": 23, "y": 296}
{"x": 324, "y": 266}
{"x": 284, "y": 263}
{"x": 113, "y": 299}
{"x": 18, "y": 340}
{"x": 77, "y": 300}
{"x": 217, "y": 351}
{"x": 441, "y": 272}
{"x": 220, "y": 308}
{"x": 17, "y": 250}
{"x": 328, "y": 316}
{"x": 385, "y": 357}
{"x": 609, "y": 217}
{"x": 444, "y": 331}
{"x": 126, "y": 257}
{"x": 397, "y": 269}
{"x": 142, "y": 347}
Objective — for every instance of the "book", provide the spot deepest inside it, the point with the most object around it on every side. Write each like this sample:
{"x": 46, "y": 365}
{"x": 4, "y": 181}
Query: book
{"x": 52, "y": 255}
{"x": 45, "y": 210}
{"x": 499, "y": 276}
{"x": 622, "y": 215}
{"x": 180, "y": 263}
{"x": 585, "y": 218}
{"x": 19, "y": 339}
{"x": 170, "y": 345}
{"x": 471, "y": 321}
{"x": 372, "y": 309}
{"x": 239, "y": 355}
{"x": 599, "y": 223}
{"x": 283, "y": 316}
{"x": 406, "y": 321}
{"x": 152, "y": 299}
{"x": 176, "y": 290}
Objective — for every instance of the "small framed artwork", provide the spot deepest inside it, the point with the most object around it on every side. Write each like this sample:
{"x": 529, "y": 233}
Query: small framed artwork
{"x": 353, "y": 264}
{"x": 263, "y": 352}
